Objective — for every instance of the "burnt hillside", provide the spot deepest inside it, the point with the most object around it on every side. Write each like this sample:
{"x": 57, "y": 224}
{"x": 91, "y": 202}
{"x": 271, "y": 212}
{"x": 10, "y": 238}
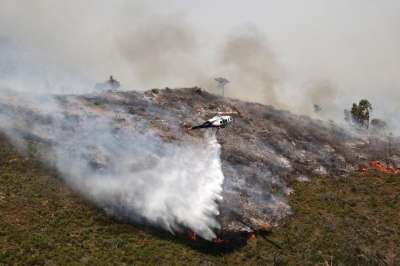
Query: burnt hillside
{"x": 262, "y": 152}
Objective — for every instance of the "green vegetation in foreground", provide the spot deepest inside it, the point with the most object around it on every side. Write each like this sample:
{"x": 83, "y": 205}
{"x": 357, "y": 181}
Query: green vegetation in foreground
{"x": 336, "y": 221}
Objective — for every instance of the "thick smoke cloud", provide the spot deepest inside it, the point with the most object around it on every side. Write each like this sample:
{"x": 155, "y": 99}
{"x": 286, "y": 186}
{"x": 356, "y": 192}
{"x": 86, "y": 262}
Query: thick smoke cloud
{"x": 144, "y": 178}
{"x": 142, "y": 46}
{"x": 128, "y": 171}
{"x": 179, "y": 43}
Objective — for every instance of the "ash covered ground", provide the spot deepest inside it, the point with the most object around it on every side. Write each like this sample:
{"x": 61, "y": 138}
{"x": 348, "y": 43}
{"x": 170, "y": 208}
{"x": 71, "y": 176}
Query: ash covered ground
{"x": 261, "y": 153}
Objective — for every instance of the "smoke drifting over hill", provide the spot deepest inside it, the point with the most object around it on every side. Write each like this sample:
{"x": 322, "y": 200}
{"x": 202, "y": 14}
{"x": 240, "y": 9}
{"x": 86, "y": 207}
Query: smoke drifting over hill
{"x": 291, "y": 55}
{"x": 283, "y": 49}
{"x": 130, "y": 171}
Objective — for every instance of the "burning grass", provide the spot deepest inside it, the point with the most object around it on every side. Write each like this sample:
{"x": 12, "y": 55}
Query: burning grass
{"x": 380, "y": 167}
{"x": 346, "y": 221}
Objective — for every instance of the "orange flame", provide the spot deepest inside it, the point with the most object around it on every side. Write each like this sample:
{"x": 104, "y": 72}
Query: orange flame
{"x": 192, "y": 235}
{"x": 218, "y": 241}
{"x": 266, "y": 227}
{"x": 380, "y": 167}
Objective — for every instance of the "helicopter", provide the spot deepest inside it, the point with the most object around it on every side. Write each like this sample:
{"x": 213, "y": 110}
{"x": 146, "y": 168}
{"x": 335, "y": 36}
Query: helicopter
{"x": 220, "y": 120}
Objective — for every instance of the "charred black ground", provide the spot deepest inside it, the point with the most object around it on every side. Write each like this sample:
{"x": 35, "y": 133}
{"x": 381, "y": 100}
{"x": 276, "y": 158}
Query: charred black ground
{"x": 263, "y": 152}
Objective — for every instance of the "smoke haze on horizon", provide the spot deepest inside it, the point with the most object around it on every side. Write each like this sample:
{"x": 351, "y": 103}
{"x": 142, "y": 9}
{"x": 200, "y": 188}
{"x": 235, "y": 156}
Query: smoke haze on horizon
{"x": 273, "y": 52}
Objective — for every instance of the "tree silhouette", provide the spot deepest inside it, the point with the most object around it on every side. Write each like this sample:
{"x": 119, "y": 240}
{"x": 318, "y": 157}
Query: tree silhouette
{"x": 360, "y": 113}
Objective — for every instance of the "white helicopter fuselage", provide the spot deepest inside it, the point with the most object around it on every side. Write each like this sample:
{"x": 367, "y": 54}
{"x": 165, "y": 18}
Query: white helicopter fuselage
{"x": 220, "y": 120}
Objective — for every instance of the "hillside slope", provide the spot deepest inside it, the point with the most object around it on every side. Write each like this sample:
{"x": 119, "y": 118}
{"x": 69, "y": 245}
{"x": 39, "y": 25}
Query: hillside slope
{"x": 262, "y": 153}
{"x": 343, "y": 221}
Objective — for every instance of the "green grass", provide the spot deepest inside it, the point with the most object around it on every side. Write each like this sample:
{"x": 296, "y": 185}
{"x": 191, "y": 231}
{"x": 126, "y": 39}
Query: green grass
{"x": 346, "y": 221}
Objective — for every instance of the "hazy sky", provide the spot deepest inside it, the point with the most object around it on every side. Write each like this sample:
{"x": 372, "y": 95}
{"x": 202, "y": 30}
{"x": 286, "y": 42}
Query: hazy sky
{"x": 350, "y": 46}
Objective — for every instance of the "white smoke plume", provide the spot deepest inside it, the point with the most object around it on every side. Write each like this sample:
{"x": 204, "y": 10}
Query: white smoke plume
{"x": 128, "y": 171}
{"x": 144, "y": 177}
{"x": 180, "y": 43}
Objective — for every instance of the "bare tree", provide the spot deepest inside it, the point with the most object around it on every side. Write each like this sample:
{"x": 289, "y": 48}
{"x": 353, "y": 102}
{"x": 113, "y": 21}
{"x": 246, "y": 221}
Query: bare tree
{"x": 221, "y": 84}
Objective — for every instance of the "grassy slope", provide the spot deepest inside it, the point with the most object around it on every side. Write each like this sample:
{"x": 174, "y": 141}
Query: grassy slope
{"x": 351, "y": 221}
